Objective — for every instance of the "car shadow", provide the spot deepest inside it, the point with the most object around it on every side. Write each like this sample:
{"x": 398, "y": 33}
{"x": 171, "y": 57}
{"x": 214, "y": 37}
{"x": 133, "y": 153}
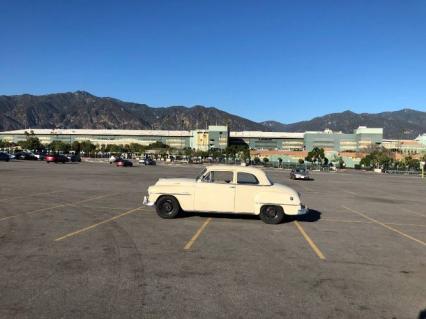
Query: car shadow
{"x": 218, "y": 215}
{"x": 422, "y": 314}
{"x": 311, "y": 216}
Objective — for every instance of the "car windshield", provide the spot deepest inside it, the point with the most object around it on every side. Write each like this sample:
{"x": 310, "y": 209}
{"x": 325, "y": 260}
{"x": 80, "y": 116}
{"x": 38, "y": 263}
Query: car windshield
{"x": 201, "y": 174}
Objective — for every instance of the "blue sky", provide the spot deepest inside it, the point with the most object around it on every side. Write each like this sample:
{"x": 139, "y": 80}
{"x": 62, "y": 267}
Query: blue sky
{"x": 279, "y": 60}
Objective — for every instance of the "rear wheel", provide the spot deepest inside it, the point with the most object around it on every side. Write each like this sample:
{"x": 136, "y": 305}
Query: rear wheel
{"x": 272, "y": 214}
{"x": 167, "y": 207}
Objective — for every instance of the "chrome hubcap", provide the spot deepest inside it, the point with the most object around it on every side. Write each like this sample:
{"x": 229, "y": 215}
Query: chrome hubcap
{"x": 167, "y": 207}
{"x": 271, "y": 212}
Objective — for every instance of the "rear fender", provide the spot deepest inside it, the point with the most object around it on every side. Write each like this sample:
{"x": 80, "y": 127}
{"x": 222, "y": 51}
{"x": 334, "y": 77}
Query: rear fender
{"x": 289, "y": 203}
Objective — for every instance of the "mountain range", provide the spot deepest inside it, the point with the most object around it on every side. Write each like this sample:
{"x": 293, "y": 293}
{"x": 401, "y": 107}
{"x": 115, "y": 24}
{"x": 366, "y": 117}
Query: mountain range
{"x": 81, "y": 109}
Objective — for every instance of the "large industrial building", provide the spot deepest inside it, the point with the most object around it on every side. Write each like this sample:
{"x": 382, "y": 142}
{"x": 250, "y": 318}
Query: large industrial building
{"x": 175, "y": 139}
{"x": 215, "y": 137}
{"x": 219, "y": 137}
{"x": 362, "y": 138}
{"x": 268, "y": 140}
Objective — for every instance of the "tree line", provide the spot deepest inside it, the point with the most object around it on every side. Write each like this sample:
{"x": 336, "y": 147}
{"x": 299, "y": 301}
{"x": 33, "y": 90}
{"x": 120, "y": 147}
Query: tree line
{"x": 383, "y": 159}
{"x": 377, "y": 157}
{"x": 87, "y": 147}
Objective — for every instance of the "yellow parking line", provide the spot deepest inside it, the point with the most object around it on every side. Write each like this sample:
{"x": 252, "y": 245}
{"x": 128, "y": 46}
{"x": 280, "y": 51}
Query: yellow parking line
{"x": 30, "y": 195}
{"x": 93, "y": 198}
{"x": 197, "y": 234}
{"x": 410, "y": 211}
{"x": 57, "y": 206}
{"x": 33, "y": 211}
{"x": 386, "y": 226}
{"x": 344, "y": 220}
{"x": 398, "y": 224}
{"x": 310, "y": 241}
{"x": 97, "y": 224}
{"x": 99, "y": 207}
{"x": 367, "y": 222}
{"x": 349, "y": 192}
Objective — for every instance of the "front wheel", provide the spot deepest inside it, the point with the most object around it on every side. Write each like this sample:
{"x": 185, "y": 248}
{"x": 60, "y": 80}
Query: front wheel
{"x": 272, "y": 214}
{"x": 167, "y": 207}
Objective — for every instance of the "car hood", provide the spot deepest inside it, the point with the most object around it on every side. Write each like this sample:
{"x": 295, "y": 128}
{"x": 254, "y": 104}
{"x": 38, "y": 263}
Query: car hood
{"x": 175, "y": 181}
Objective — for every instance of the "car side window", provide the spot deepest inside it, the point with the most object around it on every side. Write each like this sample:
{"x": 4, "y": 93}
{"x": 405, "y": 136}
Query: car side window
{"x": 220, "y": 177}
{"x": 207, "y": 178}
{"x": 247, "y": 179}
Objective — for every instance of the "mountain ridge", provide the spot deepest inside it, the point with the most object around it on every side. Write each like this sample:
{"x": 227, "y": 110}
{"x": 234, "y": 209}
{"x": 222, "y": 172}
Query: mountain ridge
{"x": 81, "y": 109}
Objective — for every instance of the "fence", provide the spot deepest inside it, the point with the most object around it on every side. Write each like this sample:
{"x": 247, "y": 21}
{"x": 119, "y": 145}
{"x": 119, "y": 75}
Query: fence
{"x": 403, "y": 172}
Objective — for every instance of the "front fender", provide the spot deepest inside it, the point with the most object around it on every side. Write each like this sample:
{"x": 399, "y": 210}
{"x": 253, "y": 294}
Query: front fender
{"x": 184, "y": 195}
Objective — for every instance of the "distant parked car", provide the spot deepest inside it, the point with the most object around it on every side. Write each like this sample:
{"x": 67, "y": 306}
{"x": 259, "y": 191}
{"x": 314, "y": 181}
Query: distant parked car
{"x": 56, "y": 158}
{"x": 40, "y": 156}
{"x": 123, "y": 163}
{"x": 195, "y": 161}
{"x": 4, "y": 157}
{"x": 114, "y": 159}
{"x": 25, "y": 156}
{"x": 299, "y": 173}
{"x": 74, "y": 158}
{"x": 147, "y": 161}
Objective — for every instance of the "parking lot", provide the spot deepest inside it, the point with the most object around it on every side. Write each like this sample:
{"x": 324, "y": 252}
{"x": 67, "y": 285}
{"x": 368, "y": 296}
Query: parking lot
{"x": 76, "y": 242}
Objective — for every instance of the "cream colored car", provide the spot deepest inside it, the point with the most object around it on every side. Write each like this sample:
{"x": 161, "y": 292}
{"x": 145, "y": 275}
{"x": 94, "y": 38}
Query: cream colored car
{"x": 225, "y": 189}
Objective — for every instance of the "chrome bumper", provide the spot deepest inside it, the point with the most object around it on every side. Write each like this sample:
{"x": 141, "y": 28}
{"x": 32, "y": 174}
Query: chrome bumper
{"x": 146, "y": 202}
{"x": 303, "y": 210}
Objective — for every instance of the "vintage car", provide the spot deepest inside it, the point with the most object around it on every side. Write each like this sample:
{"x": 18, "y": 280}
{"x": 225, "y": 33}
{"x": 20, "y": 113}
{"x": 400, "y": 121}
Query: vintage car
{"x": 225, "y": 189}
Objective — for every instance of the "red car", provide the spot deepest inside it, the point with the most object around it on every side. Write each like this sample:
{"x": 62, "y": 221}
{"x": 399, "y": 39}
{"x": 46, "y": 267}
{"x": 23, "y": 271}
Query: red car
{"x": 123, "y": 163}
{"x": 55, "y": 158}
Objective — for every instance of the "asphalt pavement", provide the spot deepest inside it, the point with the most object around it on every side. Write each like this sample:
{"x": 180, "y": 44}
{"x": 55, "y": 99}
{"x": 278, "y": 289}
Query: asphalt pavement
{"x": 76, "y": 242}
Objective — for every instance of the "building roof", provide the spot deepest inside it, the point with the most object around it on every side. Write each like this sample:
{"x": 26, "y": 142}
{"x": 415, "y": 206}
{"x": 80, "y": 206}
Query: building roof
{"x": 368, "y": 130}
{"x": 403, "y": 142}
{"x": 359, "y": 130}
{"x": 260, "y": 134}
{"x": 421, "y": 138}
{"x": 278, "y": 152}
{"x": 100, "y": 132}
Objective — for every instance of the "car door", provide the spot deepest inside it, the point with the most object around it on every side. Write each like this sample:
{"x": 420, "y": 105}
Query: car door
{"x": 246, "y": 189}
{"x": 215, "y": 192}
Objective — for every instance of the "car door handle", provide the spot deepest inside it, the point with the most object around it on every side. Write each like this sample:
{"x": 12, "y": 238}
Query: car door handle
{"x": 231, "y": 186}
